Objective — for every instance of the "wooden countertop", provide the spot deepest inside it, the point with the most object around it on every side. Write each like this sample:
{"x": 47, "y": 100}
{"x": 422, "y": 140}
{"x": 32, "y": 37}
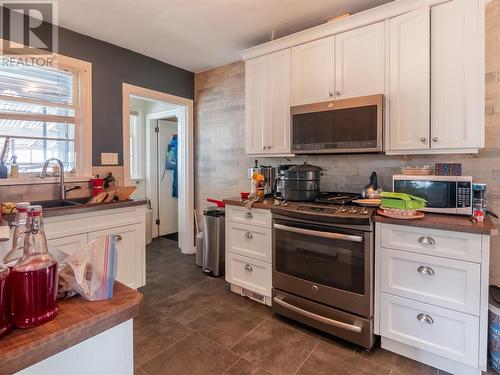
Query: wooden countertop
{"x": 77, "y": 321}
{"x": 266, "y": 204}
{"x": 456, "y": 223}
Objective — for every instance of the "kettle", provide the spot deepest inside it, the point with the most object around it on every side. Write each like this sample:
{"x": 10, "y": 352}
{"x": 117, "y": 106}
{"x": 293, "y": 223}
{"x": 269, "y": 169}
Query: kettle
{"x": 372, "y": 190}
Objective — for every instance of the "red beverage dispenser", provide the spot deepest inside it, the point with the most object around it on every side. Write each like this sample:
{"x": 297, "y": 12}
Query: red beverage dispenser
{"x": 34, "y": 277}
{"x": 5, "y": 318}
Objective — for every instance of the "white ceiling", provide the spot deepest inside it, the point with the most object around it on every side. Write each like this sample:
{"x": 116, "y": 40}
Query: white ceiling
{"x": 198, "y": 34}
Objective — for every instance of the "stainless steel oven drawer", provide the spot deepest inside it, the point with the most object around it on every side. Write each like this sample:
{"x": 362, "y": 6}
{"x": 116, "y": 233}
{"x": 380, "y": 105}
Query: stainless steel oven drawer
{"x": 339, "y": 323}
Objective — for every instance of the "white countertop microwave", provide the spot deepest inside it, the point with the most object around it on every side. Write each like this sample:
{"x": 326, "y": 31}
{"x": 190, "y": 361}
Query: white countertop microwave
{"x": 444, "y": 194}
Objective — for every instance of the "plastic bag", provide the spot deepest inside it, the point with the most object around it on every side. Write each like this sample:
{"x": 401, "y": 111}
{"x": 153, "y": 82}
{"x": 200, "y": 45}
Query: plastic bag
{"x": 91, "y": 271}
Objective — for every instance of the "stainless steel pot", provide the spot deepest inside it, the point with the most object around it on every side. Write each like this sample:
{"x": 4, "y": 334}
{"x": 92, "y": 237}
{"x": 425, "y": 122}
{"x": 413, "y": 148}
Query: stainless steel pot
{"x": 300, "y": 183}
{"x": 269, "y": 174}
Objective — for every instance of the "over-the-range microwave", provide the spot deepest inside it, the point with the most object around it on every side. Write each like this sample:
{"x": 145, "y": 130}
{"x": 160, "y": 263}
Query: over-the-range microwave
{"x": 339, "y": 126}
{"x": 444, "y": 194}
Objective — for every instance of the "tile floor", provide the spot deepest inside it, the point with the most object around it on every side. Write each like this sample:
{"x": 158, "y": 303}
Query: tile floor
{"x": 192, "y": 324}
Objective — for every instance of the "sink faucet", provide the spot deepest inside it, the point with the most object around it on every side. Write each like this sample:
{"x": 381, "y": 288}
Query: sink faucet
{"x": 43, "y": 174}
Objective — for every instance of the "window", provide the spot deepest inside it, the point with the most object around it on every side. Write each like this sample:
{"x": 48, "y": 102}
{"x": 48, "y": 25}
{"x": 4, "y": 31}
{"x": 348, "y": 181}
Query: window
{"x": 44, "y": 114}
{"x": 135, "y": 145}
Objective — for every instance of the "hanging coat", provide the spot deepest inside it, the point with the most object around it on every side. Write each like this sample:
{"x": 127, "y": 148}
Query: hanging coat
{"x": 171, "y": 164}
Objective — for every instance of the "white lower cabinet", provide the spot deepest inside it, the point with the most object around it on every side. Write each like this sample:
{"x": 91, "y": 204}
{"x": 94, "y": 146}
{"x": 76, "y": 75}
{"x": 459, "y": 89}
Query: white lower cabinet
{"x": 70, "y": 233}
{"x": 70, "y": 244}
{"x": 130, "y": 260}
{"x": 447, "y": 333}
{"x": 431, "y": 296}
{"x": 249, "y": 252}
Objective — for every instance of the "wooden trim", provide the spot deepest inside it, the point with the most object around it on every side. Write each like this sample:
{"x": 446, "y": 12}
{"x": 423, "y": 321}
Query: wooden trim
{"x": 37, "y": 117}
{"x": 35, "y": 102}
{"x": 186, "y": 157}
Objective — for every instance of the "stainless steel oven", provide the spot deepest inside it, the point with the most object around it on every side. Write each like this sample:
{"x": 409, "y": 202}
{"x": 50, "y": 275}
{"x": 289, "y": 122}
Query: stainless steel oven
{"x": 323, "y": 276}
{"x": 339, "y": 126}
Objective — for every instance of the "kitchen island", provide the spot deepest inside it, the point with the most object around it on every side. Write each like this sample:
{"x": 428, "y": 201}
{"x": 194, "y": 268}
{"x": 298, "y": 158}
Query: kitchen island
{"x": 91, "y": 338}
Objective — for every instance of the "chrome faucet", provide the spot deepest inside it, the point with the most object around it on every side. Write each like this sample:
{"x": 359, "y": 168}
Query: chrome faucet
{"x": 43, "y": 174}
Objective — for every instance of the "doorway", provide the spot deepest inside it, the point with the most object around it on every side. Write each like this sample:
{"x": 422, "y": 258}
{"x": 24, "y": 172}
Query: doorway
{"x": 167, "y": 176}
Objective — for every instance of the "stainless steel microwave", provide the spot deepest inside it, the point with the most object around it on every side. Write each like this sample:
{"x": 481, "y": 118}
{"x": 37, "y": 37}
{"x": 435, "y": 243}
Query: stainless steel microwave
{"x": 339, "y": 126}
{"x": 444, "y": 194}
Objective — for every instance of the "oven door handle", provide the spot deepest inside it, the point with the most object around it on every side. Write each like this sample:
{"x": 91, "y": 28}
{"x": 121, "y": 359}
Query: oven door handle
{"x": 317, "y": 233}
{"x": 318, "y": 318}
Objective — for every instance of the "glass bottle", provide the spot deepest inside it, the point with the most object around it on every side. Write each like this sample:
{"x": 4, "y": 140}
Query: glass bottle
{"x": 17, "y": 245}
{"x": 5, "y": 314}
{"x": 34, "y": 277}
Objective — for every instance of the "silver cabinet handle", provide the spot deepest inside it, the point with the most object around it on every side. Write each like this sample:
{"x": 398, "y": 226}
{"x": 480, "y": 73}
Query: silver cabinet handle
{"x": 423, "y": 139}
{"x": 424, "y": 318}
{"x": 317, "y": 233}
{"x": 249, "y": 235}
{"x": 249, "y": 215}
{"x": 248, "y": 268}
{"x": 269, "y": 147}
{"x": 435, "y": 139}
{"x": 118, "y": 237}
{"x": 427, "y": 240}
{"x": 330, "y": 94}
{"x": 264, "y": 147}
{"x": 338, "y": 93}
{"x": 318, "y": 318}
{"x": 425, "y": 270}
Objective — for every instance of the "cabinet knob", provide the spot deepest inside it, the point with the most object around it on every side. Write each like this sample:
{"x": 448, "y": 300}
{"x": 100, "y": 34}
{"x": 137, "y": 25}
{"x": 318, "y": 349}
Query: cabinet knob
{"x": 330, "y": 94}
{"x": 427, "y": 240}
{"x": 249, "y": 215}
{"x": 424, "y": 318}
{"x": 118, "y": 237}
{"x": 248, "y": 268}
{"x": 423, "y": 139}
{"x": 249, "y": 235}
{"x": 435, "y": 139}
{"x": 338, "y": 93}
{"x": 425, "y": 270}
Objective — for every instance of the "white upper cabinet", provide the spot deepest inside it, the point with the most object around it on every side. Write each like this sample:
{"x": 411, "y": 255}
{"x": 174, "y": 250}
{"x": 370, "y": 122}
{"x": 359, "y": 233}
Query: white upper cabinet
{"x": 267, "y": 102}
{"x": 313, "y": 72}
{"x": 277, "y": 133}
{"x": 360, "y": 62}
{"x": 409, "y": 81}
{"x": 256, "y": 103}
{"x": 456, "y": 120}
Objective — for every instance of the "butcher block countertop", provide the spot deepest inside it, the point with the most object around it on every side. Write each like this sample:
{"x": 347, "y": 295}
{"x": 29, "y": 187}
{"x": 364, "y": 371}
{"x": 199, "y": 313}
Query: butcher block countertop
{"x": 85, "y": 208}
{"x": 77, "y": 321}
{"x": 456, "y": 223}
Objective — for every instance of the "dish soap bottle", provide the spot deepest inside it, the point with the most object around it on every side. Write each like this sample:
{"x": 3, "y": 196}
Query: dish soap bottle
{"x": 14, "y": 167}
{"x": 110, "y": 181}
{"x": 34, "y": 277}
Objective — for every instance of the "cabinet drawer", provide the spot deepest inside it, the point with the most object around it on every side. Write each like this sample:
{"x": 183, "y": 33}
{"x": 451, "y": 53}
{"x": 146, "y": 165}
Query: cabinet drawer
{"x": 447, "y": 244}
{"x": 248, "y": 240}
{"x": 255, "y": 216}
{"x": 440, "y": 331}
{"x": 248, "y": 273}
{"x": 447, "y": 283}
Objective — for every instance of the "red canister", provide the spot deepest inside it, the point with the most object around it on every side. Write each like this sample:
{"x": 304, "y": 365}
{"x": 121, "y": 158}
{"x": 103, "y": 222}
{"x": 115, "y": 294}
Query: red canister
{"x": 5, "y": 312}
{"x": 97, "y": 185}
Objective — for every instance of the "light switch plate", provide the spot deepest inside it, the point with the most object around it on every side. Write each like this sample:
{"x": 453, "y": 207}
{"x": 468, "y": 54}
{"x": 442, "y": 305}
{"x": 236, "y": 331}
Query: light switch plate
{"x": 109, "y": 158}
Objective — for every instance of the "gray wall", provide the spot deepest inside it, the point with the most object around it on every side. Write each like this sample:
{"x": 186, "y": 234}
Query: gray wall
{"x": 112, "y": 66}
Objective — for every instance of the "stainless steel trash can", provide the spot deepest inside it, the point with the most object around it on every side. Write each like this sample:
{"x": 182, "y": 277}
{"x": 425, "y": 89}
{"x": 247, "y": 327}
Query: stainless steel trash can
{"x": 214, "y": 241}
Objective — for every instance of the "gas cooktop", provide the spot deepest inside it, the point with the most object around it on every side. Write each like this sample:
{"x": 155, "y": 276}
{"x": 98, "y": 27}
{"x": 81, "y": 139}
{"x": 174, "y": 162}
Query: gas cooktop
{"x": 335, "y": 208}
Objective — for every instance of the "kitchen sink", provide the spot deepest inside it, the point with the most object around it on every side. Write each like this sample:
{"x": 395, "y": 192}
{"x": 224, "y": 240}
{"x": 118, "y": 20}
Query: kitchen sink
{"x": 59, "y": 203}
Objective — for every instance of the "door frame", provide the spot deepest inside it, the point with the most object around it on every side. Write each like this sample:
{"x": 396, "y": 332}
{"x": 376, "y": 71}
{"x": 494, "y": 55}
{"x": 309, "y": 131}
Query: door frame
{"x": 186, "y": 160}
{"x": 152, "y": 189}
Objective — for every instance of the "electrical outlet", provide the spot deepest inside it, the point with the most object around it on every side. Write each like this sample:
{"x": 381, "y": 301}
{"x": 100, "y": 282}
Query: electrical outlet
{"x": 109, "y": 158}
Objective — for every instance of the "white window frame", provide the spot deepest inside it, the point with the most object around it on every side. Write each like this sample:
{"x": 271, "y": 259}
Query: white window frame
{"x": 83, "y": 121}
{"x": 138, "y": 146}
